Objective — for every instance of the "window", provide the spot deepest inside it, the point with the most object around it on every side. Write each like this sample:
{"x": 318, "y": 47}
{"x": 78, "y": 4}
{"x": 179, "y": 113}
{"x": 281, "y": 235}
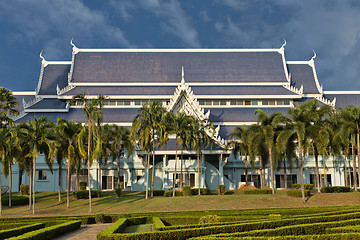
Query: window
{"x": 271, "y": 102}
{"x": 138, "y": 102}
{"x": 127, "y": 103}
{"x": 232, "y": 102}
{"x": 286, "y": 102}
{"x": 202, "y": 102}
{"x": 42, "y": 175}
{"x": 208, "y": 102}
{"x": 265, "y": 102}
{"x": 280, "y": 102}
{"x": 216, "y": 102}
{"x": 247, "y": 102}
{"x": 254, "y": 102}
{"x": 222, "y": 102}
{"x": 112, "y": 102}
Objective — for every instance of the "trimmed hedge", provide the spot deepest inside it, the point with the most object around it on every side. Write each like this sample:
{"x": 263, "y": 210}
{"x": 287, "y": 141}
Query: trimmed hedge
{"x": 20, "y": 230}
{"x": 258, "y": 191}
{"x": 24, "y": 189}
{"x": 85, "y": 194}
{"x": 118, "y": 192}
{"x": 158, "y": 224}
{"x": 203, "y": 191}
{"x": 336, "y": 236}
{"x": 50, "y": 232}
{"x": 15, "y": 200}
{"x": 82, "y": 186}
{"x": 170, "y": 193}
{"x": 298, "y": 186}
{"x": 335, "y": 189}
{"x": 186, "y": 190}
{"x": 297, "y": 193}
{"x": 347, "y": 229}
{"x": 158, "y": 192}
{"x": 117, "y": 227}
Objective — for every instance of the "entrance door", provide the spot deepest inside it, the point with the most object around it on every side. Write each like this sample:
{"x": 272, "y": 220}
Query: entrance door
{"x": 107, "y": 182}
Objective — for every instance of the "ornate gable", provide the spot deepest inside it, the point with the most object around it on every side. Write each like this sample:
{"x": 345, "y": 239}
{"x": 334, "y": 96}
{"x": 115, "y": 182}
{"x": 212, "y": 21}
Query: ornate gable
{"x": 185, "y": 101}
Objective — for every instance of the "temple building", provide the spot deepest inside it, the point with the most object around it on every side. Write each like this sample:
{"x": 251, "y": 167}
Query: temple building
{"x": 224, "y": 85}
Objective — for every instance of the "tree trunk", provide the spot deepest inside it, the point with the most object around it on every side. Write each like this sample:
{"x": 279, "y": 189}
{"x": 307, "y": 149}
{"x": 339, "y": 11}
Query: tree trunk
{"x": 325, "y": 175}
{"x": 246, "y": 170}
{"x": 354, "y": 162}
{"x": 147, "y": 176}
{"x": 88, "y": 166}
{"x": 34, "y": 169}
{"x": 118, "y": 170}
{"x": 358, "y": 152}
{"x": 181, "y": 170}
{"x": 301, "y": 174}
{"x": 30, "y": 187}
{"x": 174, "y": 176}
{"x": 346, "y": 174}
{"x": 285, "y": 176}
{"x": 10, "y": 183}
{"x": 0, "y": 194}
{"x": 272, "y": 172}
{"x": 59, "y": 184}
{"x": 153, "y": 171}
{"x": 316, "y": 155}
{"x": 100, "y": 178}
{"x": 68, "y": 186}
{"x": 261, "y": 174}
{"x": 198, "y": 159}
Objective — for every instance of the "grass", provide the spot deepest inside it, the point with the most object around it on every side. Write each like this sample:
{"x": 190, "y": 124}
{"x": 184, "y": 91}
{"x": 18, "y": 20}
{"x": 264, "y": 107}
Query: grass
{"x": 138, "y": 228}
{"x": 47, "y": 203}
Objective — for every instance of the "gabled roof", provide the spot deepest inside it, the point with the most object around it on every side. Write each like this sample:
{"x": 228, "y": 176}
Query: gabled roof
{"x": 154, "y": 65}
{"x": 53, "y": 74}
{"x": 343, "y": 98}
{"x": 48, "y": 104}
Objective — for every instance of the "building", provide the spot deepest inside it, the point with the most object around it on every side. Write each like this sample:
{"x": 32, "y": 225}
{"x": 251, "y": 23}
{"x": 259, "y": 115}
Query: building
{"x": 226, "y": 85}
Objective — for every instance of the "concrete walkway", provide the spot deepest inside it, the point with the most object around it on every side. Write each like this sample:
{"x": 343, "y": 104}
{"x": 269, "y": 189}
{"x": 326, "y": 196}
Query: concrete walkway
{"x": 86, "y": 232}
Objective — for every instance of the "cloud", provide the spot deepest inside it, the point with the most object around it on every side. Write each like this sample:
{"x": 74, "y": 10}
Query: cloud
{"x": 51, "y": 22}
{"x": 170, "y": 15}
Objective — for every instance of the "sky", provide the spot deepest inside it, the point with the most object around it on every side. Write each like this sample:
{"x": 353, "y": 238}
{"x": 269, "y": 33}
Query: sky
{"x": 330, "y": 27}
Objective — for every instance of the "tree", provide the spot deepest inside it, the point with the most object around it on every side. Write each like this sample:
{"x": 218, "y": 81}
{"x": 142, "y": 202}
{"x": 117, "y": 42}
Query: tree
{"x": 37, "y": 135}
{"x": 4, "y": 151}
{"x": 7, "y": 107}
{"x": 152, "y": 120}
{"x": 66, "y": 134}
{"x": 93, "y": 111}
{"x": 119, "y": 142}
{"x": 202, "y": 132}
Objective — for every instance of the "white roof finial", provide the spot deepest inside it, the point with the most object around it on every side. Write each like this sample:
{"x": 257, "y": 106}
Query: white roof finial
{"x": 43, "y": 59}
{"x": 312, "y": 59}
{"x": 282, "y": 46}
{"x": 75, "y": 49}
{"x": 182, "y": 75}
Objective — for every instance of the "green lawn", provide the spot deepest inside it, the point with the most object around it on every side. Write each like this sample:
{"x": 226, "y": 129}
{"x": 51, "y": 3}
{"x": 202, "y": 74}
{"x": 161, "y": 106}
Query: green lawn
{"x": 138, "y": 228}
{"x": 47, "y": 203}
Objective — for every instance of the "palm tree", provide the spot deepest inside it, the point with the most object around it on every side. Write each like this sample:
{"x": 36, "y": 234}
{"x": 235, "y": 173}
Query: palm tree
{"x": 202, "y": 132}
{"x": 119, "y": 142}
{"x": 4, "y": 151}
{"x": 66, "y": 133}
{"x": 37, "y": 135}
{"x": 152, "y": 120}
{"x": 241, "y": 144}
{"x": 351, "y": 122}
{"x": 93, "y": 112}
{"x": 7, "y": 107}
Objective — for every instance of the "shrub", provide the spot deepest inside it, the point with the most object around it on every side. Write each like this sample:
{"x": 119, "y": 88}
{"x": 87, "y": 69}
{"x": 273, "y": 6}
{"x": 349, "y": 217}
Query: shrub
{"x": 85, "y": 194}
{"x": 24, "y": 189}
{"x": 297, "y": 193}
{"x": 221, "y": 189}
{"x": 158, "y": 223}
{"x": 158, "y": 192}
{"x": 117, "y": 227}
{"x": 15, "y": 200}
{"x": 186, "y": 190}
{"x": 335, "y": 189}
{"x": 298, "y": 186}
{"x": 20, "y": 230}
{"x": 203, "y": 191}
{"x": 209, "y": 219}
{"x": 99, "y": 218}
{"x": 229, "y": 192}
{"x": 258, "y": 191}
{"x": 82, "y": 186}
{"x": 118, "y": 192}
{"x": 170, "y": 193}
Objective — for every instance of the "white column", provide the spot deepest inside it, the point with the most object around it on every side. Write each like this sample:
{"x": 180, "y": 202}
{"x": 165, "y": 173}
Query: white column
{"x": 221, "y": 170}
{"x": 202, "y": 172}
{"x": 165, "y": 177}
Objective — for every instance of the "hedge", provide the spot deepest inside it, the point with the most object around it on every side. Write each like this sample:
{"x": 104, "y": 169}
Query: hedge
{"x": 335, "y": 189}
{"x": 221, "y": 189}
{"x": 297, "y": 193}
{"x": 85, "y": 194}
{"x": 20, "y": 230}
{"x": 338, "y": 236}
{"x": 347, "y": 229}
{"x": 258, "y": 191}
{"x": 117, "y": 227}
{"x": 203, "y": 191}
{"x": 50, "y": 232}
{"x": 170, "y": 193}
{"x": 15, "y": 200}
{"x": 195, "y": 232}
{"x": 186, "y": 190}
{"x": 12, "y": 225}
{"x": 298, "y": 186}
{"x": 158, "y": 224}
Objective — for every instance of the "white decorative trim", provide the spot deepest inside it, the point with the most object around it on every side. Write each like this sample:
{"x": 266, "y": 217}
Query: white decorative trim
{"x": 21, "y": 115}
{"x": 64, "y": 90}
{"x": 30, "y": 93}
{"x": 326, "y": 101}
{"x": 31, "y": 102}
{"x": 75, "y": 49}
{"x": 282, "y": 52}
{"x": 177, "y": 50}
{"x": 46, "y": 110}
{"x": 341, "y": 92}
{"x": 43, "y": 65}
{"x": 207, "y": 84}
{"x": 58, "y": 62}
{"x": 294, "y": 89}
{"x": 313, "y": 95}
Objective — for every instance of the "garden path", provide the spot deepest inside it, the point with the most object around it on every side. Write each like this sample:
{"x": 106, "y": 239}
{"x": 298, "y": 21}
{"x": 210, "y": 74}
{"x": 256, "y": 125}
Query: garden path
{"x": 87, "y": 232}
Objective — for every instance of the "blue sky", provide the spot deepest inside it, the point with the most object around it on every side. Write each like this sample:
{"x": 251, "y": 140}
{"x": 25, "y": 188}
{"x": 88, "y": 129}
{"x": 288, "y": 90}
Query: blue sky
{"x": 330, "y": 27}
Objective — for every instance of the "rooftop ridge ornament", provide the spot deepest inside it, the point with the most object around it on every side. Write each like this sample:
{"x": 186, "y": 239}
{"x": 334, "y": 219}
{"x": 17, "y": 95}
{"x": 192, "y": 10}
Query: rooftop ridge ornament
{"x": 182, "y": 75}
{"x": 75, "y": 49}
{"x": 313, "y": 57}
{"x": 43, "y": 61}
{"x": 284, "y": 44}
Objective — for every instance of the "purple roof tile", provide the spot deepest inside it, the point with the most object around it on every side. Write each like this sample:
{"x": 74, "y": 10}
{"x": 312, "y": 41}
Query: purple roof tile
{"x": 54, "y": 74}
{"x": 302, "y": 74}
